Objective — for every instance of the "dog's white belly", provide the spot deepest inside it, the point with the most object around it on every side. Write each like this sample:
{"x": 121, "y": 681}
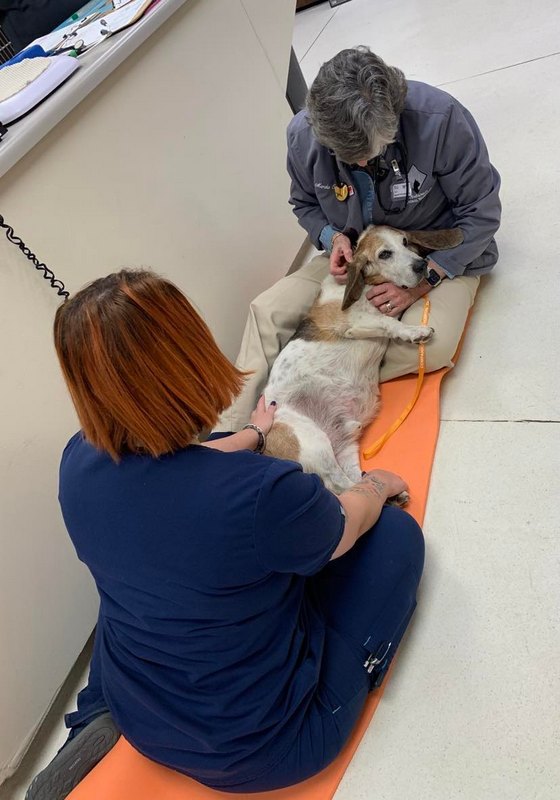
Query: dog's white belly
{"x": 331, "y": 382}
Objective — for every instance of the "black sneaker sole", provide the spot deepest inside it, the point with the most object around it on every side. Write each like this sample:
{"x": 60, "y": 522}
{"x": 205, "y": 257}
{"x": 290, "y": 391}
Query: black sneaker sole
{"x": 74, "y": 761}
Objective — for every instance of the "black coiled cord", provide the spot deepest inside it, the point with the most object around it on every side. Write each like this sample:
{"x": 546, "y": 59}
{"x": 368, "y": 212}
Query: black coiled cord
{"x": 48, "y": 274}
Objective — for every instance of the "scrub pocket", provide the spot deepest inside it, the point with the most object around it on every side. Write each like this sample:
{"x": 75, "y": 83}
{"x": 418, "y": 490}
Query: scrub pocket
{"x": 342, "y": 676}
{"x": 381, "y": 644}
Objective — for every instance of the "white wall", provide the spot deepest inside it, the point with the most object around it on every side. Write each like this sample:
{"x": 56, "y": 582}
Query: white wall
{"x": 176, "y": 161}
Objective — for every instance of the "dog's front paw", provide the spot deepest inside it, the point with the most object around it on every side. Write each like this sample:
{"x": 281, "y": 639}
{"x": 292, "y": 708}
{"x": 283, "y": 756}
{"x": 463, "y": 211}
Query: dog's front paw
{"x": 422, "y": 333}
{"x": 400, "y": 500}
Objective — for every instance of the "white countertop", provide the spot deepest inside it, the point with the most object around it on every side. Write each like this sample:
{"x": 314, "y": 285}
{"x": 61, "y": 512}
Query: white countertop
{"x": 95, "y": 66}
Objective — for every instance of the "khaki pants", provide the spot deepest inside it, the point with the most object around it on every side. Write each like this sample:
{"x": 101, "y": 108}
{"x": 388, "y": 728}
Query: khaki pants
{"x": 276, "y": 313}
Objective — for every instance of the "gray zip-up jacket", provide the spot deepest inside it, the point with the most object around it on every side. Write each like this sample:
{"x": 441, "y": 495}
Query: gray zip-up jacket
{"x": 451, "y": 181}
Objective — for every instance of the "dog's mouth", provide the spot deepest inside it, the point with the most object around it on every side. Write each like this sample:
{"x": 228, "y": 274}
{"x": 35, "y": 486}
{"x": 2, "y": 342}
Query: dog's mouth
{"x": 414, "y": 283}
{"x": 419, "y": 273}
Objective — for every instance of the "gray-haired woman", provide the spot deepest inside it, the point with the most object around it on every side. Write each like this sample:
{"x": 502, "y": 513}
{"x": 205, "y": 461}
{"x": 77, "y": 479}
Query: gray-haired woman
{"x": 372, "y": 147}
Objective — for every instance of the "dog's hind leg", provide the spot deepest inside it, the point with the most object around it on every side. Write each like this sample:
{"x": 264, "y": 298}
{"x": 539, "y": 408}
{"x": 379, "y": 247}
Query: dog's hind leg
{"x": 317, "y": 455}
{"x": 311, "y": 447}
{"x": 348, "y": 456}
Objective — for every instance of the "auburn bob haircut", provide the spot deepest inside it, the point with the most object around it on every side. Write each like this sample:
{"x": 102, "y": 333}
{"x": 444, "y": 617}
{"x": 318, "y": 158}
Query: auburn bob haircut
{"x": 143, "y": 369}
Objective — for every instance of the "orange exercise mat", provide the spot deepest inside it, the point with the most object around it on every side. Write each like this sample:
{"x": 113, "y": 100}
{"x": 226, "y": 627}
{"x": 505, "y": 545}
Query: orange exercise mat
{"x": 124, "y": 774}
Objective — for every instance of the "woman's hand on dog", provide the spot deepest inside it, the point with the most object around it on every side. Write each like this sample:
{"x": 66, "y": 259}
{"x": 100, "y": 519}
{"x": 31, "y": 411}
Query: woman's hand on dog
{"x": 363, "y": 504}
{"x": 341, "y": 253}
{"x": 392, "y": 300}
{"x": 262, "y": 416}
{"x": 385, "y": 484}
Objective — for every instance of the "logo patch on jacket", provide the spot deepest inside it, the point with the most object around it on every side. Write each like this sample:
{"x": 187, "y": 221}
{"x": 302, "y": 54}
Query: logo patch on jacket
{"x": 343, "y": 191}
{"x": 415, "y": 181}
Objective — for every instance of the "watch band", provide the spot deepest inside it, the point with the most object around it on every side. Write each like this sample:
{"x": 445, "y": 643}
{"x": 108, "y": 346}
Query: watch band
{"x": 433, "y": 278}
{"x": 261, "y": 444}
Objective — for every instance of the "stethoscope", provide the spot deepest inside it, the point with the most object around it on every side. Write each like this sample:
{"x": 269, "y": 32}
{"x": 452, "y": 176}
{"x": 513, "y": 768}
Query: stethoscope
{"x": 378, "y": 169}
{"x": 71, "y": 40}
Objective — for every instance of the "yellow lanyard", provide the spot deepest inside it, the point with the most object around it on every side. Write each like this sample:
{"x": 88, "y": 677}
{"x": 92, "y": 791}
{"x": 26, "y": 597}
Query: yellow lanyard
{"x": 376, "y": 446}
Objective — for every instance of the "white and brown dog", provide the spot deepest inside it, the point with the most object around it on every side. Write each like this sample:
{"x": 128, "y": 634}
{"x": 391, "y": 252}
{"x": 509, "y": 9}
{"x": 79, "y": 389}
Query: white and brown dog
{"x": 325, "y": 381}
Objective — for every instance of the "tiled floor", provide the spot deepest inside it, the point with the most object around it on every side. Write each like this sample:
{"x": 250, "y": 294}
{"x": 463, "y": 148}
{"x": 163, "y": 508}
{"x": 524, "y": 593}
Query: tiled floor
{"x": 473, "y": 708}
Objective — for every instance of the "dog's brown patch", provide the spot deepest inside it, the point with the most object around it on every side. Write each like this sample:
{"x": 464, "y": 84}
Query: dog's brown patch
{"x": 306, "y": 330}
{"x": 368, "y": 245}
{"x": 326, "y": 318}
{"x": 322, "y": 324}
{"x": 373, "y": 238}
{"x": 281, "y": 442}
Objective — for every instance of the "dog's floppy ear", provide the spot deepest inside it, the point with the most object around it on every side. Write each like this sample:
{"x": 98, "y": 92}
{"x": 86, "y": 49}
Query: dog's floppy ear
{"x": 428, "y": 241}
{"x": 356, "y": 281}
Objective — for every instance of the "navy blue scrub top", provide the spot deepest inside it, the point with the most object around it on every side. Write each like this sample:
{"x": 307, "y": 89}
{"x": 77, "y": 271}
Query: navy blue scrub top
{"x": 210, "y": 644}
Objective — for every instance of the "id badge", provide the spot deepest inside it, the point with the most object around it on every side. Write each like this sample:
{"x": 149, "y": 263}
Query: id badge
{"x": 398, "y": 191}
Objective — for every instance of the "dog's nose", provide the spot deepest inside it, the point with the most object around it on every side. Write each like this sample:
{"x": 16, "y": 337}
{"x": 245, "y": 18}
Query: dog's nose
{"x": 420, "y": 266}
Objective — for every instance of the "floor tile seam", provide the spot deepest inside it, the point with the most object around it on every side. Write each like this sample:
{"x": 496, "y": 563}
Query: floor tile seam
{"x": 319, "y": 34}
{"x": 519, "y": 420}
{"x": 499, "y": 69}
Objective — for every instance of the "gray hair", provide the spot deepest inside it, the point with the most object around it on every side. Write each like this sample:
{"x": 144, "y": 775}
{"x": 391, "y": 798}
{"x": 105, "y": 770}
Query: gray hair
{"x": 354, "y": 103}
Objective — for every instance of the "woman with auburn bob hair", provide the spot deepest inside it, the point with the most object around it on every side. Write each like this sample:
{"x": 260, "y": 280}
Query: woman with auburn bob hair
{"x": 243, "y": 615}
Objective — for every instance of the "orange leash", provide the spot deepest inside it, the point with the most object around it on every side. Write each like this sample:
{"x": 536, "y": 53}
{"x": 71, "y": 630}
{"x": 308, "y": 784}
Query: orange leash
{"x": 376, "y": 446}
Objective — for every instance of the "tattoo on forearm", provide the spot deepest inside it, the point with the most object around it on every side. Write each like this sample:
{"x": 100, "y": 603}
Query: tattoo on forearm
{"x": 368, "y": 484}
{"x": 377, "y": 485}
{"x": 360, "y": 489}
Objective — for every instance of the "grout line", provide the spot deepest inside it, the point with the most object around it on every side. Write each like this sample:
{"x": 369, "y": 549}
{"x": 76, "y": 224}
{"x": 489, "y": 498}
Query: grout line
{"x": 542, "y": 421}
{"x": 320, "y": 32}
{"x": 499, "y": 69}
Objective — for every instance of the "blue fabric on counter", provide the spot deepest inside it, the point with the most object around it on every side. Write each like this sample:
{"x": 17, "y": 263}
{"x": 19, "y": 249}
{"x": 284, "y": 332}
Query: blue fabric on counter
{"x": 32, "y": 52}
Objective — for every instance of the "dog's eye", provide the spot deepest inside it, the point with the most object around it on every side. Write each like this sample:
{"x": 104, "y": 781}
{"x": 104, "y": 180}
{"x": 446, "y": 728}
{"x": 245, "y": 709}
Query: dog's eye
{"x": 405, "y": 241}
{"x": 385, "y": 254}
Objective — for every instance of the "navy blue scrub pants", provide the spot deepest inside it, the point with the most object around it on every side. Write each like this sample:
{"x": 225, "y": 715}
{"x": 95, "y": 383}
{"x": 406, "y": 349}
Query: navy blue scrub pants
{"x": 367, "y": 598}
